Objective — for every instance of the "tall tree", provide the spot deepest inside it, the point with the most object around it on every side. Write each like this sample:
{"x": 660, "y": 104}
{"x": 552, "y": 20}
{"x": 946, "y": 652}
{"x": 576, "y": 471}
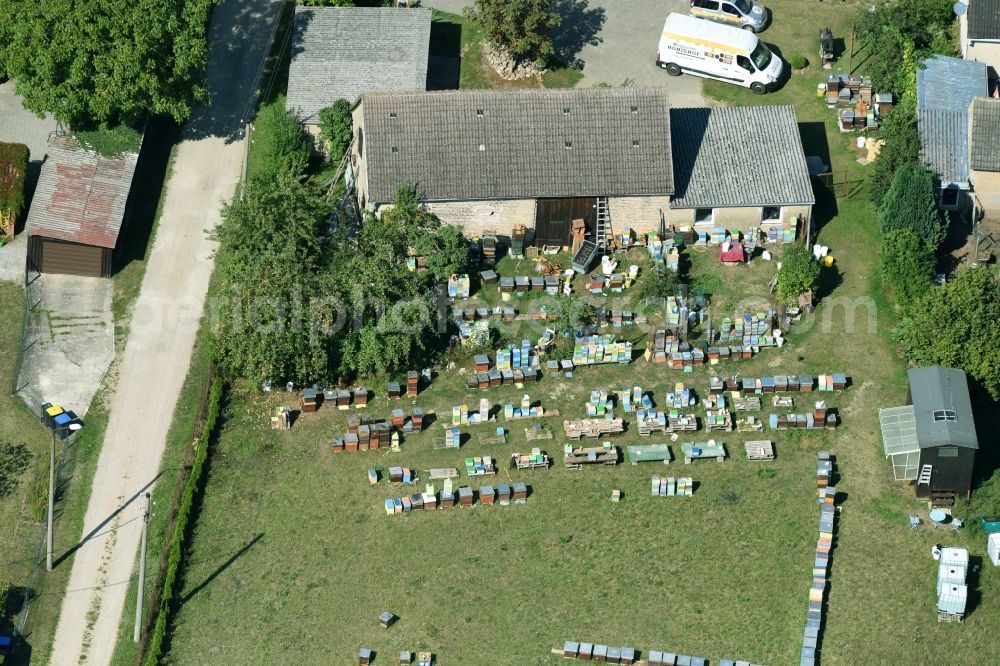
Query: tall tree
{"x": 106, "y": 61}
{"x": 911, "y": 204}
{"x": 907, "y": 265}
{"x": 283, "y": 145}
{"x": 521, "y": 28}
{"x": 272, "y": 253}
{"x": 958, "y": 325}
{"x": 902, "y": 147}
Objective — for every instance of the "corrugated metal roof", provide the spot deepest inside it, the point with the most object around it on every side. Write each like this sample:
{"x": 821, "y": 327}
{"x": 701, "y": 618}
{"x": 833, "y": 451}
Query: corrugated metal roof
{"x": 80, "y": 195}
{"x": 341, "y": 52}
{"x": 984, "y": 19}
{"x": 738, "y": 156}
{"x": 985, "y": 149}
{"x": 942, "y": 408}
{"x": 458, "y": 145}
{"x": 945, "y": 89}
{"x": 944, "y": 143}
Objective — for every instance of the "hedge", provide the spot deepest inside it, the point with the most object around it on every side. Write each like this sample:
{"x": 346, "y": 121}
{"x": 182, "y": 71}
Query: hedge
{"x": 164, "y": 613}
{"x": 13, "y": 169}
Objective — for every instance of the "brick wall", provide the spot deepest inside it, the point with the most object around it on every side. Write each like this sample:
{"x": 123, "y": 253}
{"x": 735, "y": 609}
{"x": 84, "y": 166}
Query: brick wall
{"x": 476, "y": 217}
{"x": 640, "y": 213}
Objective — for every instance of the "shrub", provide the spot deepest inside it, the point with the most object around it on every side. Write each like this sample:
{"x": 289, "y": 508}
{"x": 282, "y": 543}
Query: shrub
{"x": 282, "y": 142}
{"x": 171, "y": 579}
{"x": 799, "y": 273}
{"x": 911, "y": 204}
{"x": 906, "y": 264}
{"x": 110, "y": 141}
{"x": 522, "y": 28}
{"x": 13, "y": 168}
{"x": 335, "y": 127}
{"x": 798, "y": 61}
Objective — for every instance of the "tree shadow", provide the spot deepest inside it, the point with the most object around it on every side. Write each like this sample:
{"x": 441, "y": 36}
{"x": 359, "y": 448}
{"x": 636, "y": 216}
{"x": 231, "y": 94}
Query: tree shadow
{"x": 581, "y": 26}
{"x": 221, "y": 568}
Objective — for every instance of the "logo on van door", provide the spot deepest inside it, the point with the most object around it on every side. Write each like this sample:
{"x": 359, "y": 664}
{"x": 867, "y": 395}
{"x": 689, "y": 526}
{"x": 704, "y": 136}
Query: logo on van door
{"x": 684, "y": 49}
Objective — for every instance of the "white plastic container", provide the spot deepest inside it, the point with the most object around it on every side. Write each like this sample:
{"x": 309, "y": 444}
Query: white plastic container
{"x": 993, "y": 548}
{"x": 955, "y": 557}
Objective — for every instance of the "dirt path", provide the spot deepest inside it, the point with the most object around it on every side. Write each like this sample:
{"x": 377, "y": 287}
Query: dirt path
{"x": 156, "y": 357}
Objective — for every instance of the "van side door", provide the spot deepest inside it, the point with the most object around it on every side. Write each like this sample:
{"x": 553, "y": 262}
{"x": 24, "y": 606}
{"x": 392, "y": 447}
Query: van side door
{"x": 730, "y": 14}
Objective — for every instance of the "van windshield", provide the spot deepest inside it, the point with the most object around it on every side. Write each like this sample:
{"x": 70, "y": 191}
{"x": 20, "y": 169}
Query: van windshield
{"x": 761, "y": 56}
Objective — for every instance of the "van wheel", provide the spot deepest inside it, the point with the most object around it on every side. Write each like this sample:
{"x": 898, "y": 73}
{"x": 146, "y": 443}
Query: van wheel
{"x": 673, "y": 69}
{"x": 750, "y": 28}
{"x": 758, "y": 88}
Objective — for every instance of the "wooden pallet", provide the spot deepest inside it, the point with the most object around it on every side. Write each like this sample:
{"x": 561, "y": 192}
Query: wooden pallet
{"x": 759, "y": 450}
{"x": 536, "y": 434}
{"x": 491, "y": 438}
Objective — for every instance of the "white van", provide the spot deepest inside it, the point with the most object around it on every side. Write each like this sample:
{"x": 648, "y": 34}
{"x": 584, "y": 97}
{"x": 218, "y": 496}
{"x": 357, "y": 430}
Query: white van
{"x": 714, "y": 51}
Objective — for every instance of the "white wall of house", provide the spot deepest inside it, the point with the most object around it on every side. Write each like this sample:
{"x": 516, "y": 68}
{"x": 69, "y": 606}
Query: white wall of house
{"x": 987, "y": 53}
{"x": 740, "y": 218}
{"x": 359, "y": 166}
{"x": 987, "y": 188}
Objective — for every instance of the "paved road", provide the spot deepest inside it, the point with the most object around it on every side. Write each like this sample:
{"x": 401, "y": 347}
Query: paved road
{"x": 155, "y": 361}
{"x": 616, "y": 41}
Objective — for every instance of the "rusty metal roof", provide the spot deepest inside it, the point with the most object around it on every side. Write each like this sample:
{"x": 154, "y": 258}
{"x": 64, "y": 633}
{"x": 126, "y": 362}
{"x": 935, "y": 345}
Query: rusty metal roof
{"x": 81, "y": 195}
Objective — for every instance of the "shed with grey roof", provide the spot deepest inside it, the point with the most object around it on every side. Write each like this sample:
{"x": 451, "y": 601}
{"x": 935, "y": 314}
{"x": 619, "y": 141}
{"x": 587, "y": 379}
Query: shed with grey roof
{"x": 984, "y": 149}
{"x": 78, "y": 209}
{"x": 932, "y": 440}
{"x": 945, "y": 88}
{"x": 342, "y": 52}
{"x": 738, "y": 164}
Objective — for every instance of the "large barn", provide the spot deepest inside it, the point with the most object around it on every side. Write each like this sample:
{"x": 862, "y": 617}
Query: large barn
{"x": 491, "y": 160}
{"x": 932, "y": 439}
{"x": 488, "y": 161}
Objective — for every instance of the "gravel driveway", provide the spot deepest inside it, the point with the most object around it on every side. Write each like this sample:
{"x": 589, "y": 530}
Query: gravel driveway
{"x": 164, "y": 323}
{"x": 616, "y": 41}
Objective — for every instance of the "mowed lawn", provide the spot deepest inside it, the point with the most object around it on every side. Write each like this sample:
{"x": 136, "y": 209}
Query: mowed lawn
{"x": 293, "y": 554}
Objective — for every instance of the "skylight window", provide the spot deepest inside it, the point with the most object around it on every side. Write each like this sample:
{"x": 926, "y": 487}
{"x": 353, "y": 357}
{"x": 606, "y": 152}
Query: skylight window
{"x": 395, "y": 150}
{"x": 633, "y": 109}
{"x": 392, "y": 115}
{"x": 480, "y": 113}
{"x": 569, "y": 145}
{"x": 635, "y": 143}
{"x": 945, "y": 415}
{"x": 565, "y": 110}
{"x": 482, "y": 146}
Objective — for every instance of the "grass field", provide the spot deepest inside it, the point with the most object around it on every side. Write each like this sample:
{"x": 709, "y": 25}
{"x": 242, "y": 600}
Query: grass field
{"x": 292, "y": 553}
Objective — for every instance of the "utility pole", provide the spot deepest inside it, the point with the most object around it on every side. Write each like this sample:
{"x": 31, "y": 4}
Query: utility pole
{"x": 142, "y": 573}
{"x": 52, "y": 502}
{"x": 72, "y": 427}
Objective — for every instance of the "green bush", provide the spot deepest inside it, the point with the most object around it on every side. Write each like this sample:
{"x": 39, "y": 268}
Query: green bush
{"x": 110, "y": 141}
{"x": 335, "y": 127}
{"x": 282, "y": 142}
{"x": 167, "y": 605}
{"x": 13, "y": 168}
{"x": 906, "y": 264}
{"x": 911, "y": 203}
{"x": 799, "y": 273}
{"x": 798, "y": 61}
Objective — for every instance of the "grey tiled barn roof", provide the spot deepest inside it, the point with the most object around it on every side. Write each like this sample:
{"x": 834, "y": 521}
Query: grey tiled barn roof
{"x": 518, "y": 144}
{"x": 341, "y": 52}
{"x": 984, "y": 19}
{"x": 985, "y": 148}
{"x": 81, "y": 195}
{"x": 945, "y": 89}
{"x": 738, "y": 156}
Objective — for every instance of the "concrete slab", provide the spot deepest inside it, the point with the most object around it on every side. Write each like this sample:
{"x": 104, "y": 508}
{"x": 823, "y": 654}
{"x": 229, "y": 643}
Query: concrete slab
{"x": 615, "y": 41}
{"x": 18, "y": 125}
{"x": 12, "y": 258}
{"x": 70, "y": 342}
